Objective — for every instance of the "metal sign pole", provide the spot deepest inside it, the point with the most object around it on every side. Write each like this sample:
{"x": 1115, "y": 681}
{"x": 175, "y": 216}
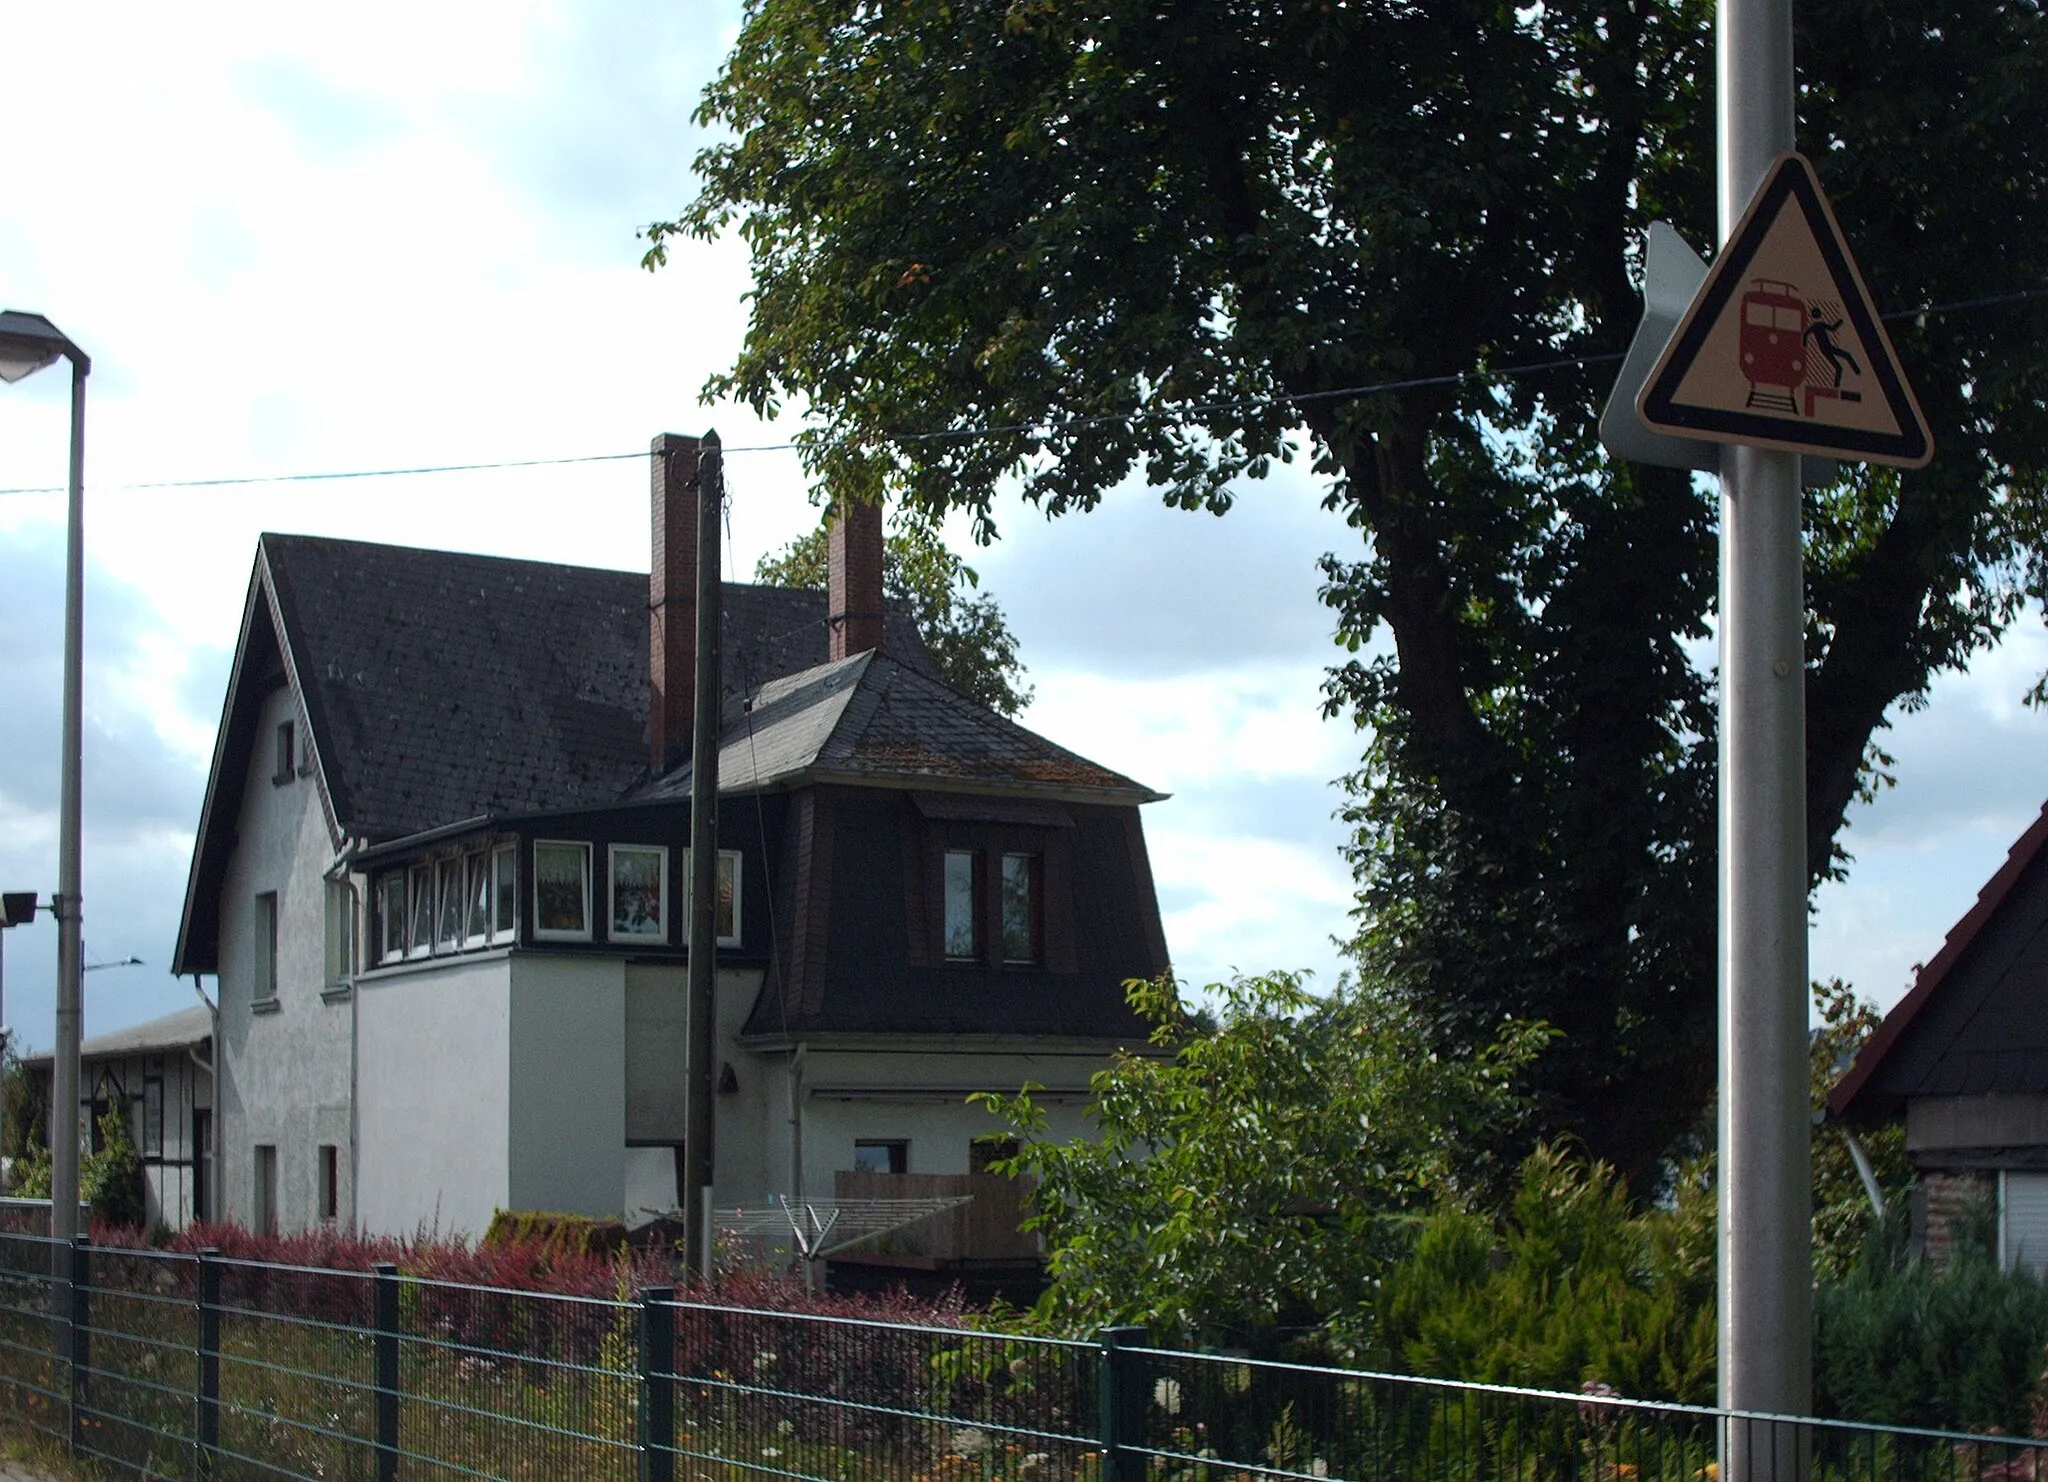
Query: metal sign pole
{"x": 1766, "y": 1300}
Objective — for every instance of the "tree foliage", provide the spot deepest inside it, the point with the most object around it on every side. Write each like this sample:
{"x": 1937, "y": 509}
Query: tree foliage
{"x": 1256, "y": 1173}
{"x": 1844, "y": 1221}
{"x": 972, "y": 645}
{"x": 1079, "y": 242}
{"x": 1570, "y": 1288}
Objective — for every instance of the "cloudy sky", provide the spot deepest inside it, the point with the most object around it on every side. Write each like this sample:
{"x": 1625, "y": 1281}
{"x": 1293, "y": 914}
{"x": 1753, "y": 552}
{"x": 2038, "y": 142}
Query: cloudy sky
{"x": 393, "y": 235}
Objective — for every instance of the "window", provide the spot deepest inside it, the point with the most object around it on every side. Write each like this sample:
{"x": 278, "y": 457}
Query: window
{"x": 329, "y": 1192}
{"x": 420, "y": 883}
{"x": 448, "y": 892}
{"x": 963, "y": 897}
{"x": 561, "y": 891}
{"x": 263, "y": 977}
{"x": 263, "y": 1195}
{"x": 505, "y": 892}
{"x": 476, "y": 895}
{"x": 728, "y": 897}
{"x": 640, "y": 892}
{"x": 986, "y": 1150}
{"x": 881, "y": 1157}
{"x": 287, "y": 754}
{"x": 391, "y": 936}
{"x": 341, "y": 933}
{"x": 1022, "y": 908}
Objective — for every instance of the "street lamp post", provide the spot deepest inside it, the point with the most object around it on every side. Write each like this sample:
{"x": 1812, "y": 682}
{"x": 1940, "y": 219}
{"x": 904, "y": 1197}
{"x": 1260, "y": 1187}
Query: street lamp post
{"x": 28, "y": 342}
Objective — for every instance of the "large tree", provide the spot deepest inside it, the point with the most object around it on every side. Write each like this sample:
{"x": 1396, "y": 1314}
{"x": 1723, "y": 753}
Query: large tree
{"x": 1073, "y": 242}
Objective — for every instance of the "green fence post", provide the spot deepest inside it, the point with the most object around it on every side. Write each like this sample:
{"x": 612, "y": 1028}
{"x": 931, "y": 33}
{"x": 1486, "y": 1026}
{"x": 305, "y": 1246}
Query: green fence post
{"x": 657, "y": 1389}
{"x": 80, "y": 1335}
{"x": 387, "y": 1371}
{"x": 206, "y": 1417}
{"x": 1122, "y": 1390}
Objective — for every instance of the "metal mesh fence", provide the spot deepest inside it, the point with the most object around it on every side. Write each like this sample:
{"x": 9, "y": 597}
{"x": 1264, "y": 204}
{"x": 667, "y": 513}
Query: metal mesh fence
{"x": 1219, "y": 1419}
{"x": 180, "y": 1366}
{"x": 798, "y": 1395}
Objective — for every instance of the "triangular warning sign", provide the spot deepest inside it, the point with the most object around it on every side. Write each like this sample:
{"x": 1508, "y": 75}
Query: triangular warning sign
{"x": 1782, "y": 347}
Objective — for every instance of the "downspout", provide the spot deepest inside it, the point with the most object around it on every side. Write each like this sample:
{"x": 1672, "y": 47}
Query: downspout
{"x": 213, "y": 1094}
{"x": 358, "y": 938}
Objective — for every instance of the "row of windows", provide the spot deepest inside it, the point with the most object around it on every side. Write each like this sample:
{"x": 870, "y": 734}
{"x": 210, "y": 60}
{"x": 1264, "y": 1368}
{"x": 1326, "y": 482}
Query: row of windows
{"x": 1019, "y": 906}
{"x": 468, "y": 901}
{"x": 455, "y": 904}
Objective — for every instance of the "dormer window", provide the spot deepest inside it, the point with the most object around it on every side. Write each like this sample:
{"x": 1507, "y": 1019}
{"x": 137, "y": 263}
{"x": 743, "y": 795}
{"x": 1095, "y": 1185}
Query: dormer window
{"x": 287, "y": 754}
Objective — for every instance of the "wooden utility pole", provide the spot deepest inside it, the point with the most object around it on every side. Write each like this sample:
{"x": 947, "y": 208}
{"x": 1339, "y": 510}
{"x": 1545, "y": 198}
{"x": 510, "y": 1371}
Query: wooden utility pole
{"x": 700, "y": 1067}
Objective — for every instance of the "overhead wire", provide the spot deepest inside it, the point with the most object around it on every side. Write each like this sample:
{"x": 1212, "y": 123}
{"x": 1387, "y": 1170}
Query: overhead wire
{"x": 1041, "y": 426}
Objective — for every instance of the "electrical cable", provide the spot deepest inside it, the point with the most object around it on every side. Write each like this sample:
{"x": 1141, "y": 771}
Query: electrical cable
{"x": 1044, "y": 426}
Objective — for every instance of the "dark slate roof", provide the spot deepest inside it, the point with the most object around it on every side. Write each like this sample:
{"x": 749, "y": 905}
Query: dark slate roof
{"x": 871, "y": 719}
{"x": 1976, "y": 1019}
{"x": 441, "y": 687}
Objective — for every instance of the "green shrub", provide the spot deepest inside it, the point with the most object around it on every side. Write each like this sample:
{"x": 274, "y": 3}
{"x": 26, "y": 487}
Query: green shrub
{"x": 1571, "y": 1288}
{"x": 1899, "y": 1343}
{"x": 110, "y": 1180}
{"x": 555, "y": 1234}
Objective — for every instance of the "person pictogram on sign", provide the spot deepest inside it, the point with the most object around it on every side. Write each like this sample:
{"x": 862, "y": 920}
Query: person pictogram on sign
{"x": 1822, "y": 333}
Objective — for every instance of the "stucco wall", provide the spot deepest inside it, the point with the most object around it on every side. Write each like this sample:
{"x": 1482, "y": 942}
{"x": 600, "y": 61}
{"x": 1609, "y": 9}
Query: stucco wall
{"x": 284, "y": 1074}
{"x": 435, "y": 1114}
{"x": 567, "y": 1113}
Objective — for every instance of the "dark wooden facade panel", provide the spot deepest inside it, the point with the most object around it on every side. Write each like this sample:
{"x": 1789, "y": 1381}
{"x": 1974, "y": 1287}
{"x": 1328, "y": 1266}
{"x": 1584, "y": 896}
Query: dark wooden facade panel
{"x": 886, "y": 883}
{"x": 1987, "y": 1030}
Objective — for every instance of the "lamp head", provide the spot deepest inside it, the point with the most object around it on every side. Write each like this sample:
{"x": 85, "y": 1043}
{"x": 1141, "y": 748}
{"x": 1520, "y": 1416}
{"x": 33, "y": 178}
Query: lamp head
{"x": 28, "y": 342}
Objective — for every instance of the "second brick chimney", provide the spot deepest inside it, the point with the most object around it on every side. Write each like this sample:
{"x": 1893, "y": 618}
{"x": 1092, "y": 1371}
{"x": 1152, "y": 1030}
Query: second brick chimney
{"x": 672, "y": 603}
{"x": 854, "y": 607}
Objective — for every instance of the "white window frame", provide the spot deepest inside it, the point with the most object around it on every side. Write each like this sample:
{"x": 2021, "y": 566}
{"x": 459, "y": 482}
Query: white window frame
{"x": 657, "y": 934}
{"x": 976, "y": 914}
{"x": 393, "y": 933}
{"x": 738, "y": 898}
{"x": 419, "y": 884}
{"x": 557, "y": 934}
{"x": 477, "y": 868}
{"x": 340, "y": 944}
{"x": 504, "y": 894}
{"x": 450, "y": 889}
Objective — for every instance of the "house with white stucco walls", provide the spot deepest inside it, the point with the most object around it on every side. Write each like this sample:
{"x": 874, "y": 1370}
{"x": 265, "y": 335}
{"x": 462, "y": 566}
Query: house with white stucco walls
{"x": 441, "y": 873}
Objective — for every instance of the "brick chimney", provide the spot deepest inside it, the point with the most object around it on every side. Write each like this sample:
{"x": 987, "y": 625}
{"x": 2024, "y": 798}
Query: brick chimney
{"x": 672, "y": 602}
{"x": 854, "y": 605}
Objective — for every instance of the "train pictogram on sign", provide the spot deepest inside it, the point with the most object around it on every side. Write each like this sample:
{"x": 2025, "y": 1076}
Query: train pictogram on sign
{"x": 1782, "y": 347}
